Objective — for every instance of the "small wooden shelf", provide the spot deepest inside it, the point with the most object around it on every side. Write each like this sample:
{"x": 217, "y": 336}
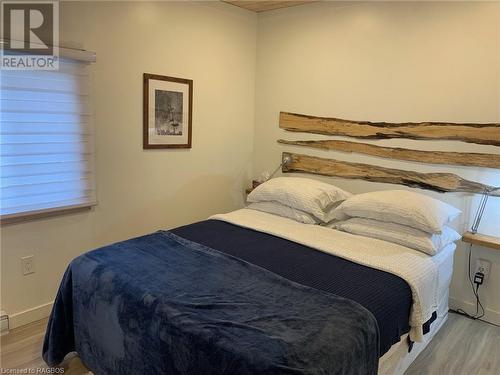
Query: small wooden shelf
{"x": 482, "y": 240}
{"x": 255, "y": 183}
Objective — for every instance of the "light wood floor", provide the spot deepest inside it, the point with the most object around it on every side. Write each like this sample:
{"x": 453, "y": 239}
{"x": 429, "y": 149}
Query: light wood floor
{"x": 462, "y": 347}
{"x": 22, "y": 349}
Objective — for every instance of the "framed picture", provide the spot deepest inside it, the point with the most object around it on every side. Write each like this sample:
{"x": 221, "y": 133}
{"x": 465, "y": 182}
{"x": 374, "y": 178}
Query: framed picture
{"x": 168, "y": 103}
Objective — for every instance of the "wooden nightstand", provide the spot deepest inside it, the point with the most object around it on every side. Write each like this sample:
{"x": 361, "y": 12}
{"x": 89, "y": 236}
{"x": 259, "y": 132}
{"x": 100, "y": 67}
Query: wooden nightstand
{"x": 482, "y": 240}
{"x": 255, "y": 183}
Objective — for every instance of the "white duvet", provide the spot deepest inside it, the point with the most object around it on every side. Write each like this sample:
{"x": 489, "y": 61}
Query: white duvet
{"x": 419, "y": 270}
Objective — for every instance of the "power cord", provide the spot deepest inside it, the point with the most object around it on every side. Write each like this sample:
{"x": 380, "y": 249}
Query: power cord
{"x": 478, "y": 281}
{"x": 478, "y": 276}
{"x": 469, "y": 317}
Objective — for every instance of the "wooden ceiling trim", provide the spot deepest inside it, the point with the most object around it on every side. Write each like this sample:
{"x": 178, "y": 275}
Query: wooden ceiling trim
{"x": 263, "y": 6}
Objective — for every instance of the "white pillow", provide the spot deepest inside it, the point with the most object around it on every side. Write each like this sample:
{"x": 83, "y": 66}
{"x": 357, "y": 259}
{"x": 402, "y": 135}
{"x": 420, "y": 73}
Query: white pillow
{"x": 400, "y": 234}
{"x": 401, "y": 207}
{"x": 284, "y": 211}
{"x": 314, "y": 197}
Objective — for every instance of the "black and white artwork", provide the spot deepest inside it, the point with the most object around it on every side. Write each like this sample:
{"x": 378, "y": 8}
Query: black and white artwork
{"x": 167, "y": 112}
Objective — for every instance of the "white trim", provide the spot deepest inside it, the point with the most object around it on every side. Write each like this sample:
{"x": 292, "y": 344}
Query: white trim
{"x": 34, "y": 214}
{"x": 71, "y": 54}
{"x": 31, "y": 315}
{"x": 490, "y": 315}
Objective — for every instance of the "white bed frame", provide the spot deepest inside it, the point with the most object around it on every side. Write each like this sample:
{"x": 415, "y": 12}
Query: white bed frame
{"x": 397, "y": 360}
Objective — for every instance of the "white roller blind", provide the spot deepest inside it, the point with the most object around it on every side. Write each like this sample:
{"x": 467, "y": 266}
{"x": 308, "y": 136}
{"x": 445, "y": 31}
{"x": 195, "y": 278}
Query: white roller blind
{"x": 46, "y": 140}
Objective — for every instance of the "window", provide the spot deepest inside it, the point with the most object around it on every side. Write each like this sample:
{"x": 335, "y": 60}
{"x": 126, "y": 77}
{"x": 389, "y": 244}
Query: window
{"x": 46, "y": 141}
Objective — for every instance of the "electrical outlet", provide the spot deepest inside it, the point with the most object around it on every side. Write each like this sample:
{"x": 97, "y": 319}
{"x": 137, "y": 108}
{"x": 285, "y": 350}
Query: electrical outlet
{"x": 4, "y": 323}
{"x": 28, "y": 264}
{"x": 483, "y": 266}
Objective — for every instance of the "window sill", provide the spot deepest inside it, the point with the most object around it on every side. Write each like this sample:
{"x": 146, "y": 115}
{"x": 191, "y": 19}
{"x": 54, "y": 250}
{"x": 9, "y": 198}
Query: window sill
{"x": 42, "y": 214}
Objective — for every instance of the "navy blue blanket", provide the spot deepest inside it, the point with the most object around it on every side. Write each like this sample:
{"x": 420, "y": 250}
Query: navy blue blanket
{"x": 388, "y": 297}
{"x": 161, "y": 304}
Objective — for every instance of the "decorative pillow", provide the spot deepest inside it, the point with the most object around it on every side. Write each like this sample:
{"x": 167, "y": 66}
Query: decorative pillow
{"x": 401, "y": 207}
{"x": 284, "y": 211}
{"x": 314, "y": 197}
{"x": 400, "y": 234}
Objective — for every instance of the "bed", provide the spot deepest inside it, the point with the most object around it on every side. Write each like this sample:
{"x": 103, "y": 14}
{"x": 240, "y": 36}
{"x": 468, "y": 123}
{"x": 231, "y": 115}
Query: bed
{"x": 282, "y": 303}
{"x": 388, "y": 297}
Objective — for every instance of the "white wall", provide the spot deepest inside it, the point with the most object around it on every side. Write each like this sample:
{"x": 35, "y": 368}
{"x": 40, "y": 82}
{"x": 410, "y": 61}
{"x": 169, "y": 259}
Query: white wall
{"x": 370, "y": 61}
{"x": 141, "y": 191}
{"x": 387, "y": 61}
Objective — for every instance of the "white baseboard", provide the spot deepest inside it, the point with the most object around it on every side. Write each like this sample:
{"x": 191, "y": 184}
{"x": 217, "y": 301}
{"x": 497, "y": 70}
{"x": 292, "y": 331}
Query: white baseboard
{"x": 490, "y": 315}
{"x": 29, "y": 316}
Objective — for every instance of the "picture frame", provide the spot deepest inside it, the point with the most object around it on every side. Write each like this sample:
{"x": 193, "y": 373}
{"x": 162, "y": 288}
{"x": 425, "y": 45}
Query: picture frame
{"x": 167, "y": 112}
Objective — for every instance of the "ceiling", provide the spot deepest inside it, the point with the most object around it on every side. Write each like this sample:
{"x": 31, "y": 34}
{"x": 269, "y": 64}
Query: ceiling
{"x": 263, "y": 5}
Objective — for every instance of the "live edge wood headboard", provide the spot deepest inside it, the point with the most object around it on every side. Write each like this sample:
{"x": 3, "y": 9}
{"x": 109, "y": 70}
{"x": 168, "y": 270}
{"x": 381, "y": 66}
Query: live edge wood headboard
{"x": 486, "y": 134}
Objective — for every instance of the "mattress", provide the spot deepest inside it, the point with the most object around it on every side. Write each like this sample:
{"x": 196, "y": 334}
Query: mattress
{"x": 444, "y": 262}
{"x": 397, "y": 360}
{"x": 417, "y": 269}
{"x": 387, "y": 296}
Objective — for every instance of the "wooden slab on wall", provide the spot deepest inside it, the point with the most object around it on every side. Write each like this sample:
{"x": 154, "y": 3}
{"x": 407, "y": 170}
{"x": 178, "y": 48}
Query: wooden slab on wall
{"x": 431, "y": 157}
{"x": 487, "y": 134}
{"x": 441, "y": 182}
